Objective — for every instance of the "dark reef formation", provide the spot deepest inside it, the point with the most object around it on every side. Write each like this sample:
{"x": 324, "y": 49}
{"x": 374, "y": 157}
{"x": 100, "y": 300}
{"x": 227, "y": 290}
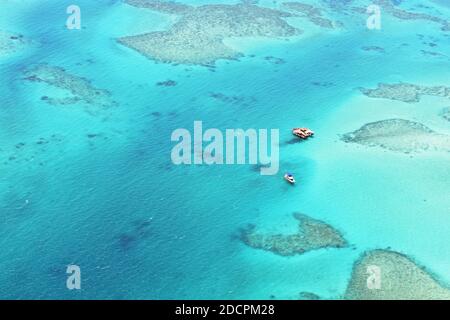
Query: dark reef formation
{"x": 29, "y": 153}
{"x": 167, "y": 83}
{"x": 274, "y": 60}
{"x": 373, "y": 49}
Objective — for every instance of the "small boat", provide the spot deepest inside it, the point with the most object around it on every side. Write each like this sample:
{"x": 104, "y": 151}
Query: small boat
{"x": 289, "y": 178}
{"x": 303, "y": 133}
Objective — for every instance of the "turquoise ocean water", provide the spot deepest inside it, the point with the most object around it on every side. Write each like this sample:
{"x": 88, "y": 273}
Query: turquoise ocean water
{"x": 142, "y": 228}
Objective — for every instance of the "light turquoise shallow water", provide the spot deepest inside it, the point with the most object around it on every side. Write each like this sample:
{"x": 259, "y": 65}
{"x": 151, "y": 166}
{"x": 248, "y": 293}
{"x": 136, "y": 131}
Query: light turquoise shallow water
{"x": 142, "y": 228}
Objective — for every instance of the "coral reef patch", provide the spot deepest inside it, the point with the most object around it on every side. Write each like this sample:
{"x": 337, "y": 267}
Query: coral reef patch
{"x": 405, "y": 92}
{"x": 312, "y": 235}
{"x": 400, "y": 279}
{"x": 11, "y": 43}
{"x": 197, "y": 36}
{"x": 76, "y": 89}
{"x": 312, "y": 13}
{"x": 388, "y": 7}
{"x": 399, "y": 135}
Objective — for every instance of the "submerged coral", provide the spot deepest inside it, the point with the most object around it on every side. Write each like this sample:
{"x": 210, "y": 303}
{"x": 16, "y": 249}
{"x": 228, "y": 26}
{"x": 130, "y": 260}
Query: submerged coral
{"x": 308, "y": 296}
{"x": 405, "y": 92}
{"x": 241, "y": 100}
{"x": 433, "y": 54}
{"x": 76, "y": 89}
{"x": 140, "y": 230}
{"x": 29, "y": 153}
{"x": 197, "y": 37}
{"x": 312, "y": 235}
{"x": 11, "y": 43}
{"x": 167, "y": 83}
{"x": 388, "y": 7}
{"x": 399, "y": 135}
{"x": 314, "y": 14}
{"x": 373, "y": 48}
{"x": 445, "y": 113}
{"x": 275, "y": 60}
{"x": 399, "y": 279}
